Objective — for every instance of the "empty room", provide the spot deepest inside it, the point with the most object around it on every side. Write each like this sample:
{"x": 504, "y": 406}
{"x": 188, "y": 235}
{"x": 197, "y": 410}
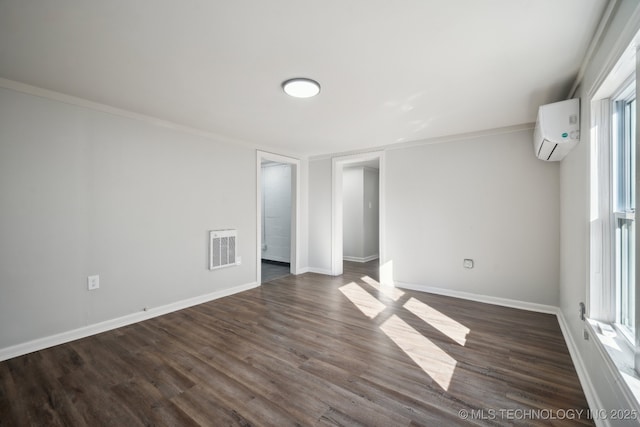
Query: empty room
{"x": 313, "y": 213}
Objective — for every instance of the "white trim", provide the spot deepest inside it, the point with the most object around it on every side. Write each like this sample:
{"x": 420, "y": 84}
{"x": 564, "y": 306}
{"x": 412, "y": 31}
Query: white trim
{"x": 625, "y": 38}
{"x": 360, "y": 259}
{"x": 115, "y": 111}
{"x": 296, "y": 244}
{"x": 68, "y": 336}
{"x": 337, "y": 165}
{"x": 601, "y": 30}
{"x": 429, "y": 141}
{"x": 314, "y": 270}
{"x": 505, "y": 302}
{"x": 80, "y": 102}
{"x": 601, "y": 289}
{"x": 583, "y": 374}
{"x": 107, "y": 325}
{"x": 613, "y": 370}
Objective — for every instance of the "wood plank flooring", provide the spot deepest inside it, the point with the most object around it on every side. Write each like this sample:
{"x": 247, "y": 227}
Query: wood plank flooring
{"x": 305, "y": 351}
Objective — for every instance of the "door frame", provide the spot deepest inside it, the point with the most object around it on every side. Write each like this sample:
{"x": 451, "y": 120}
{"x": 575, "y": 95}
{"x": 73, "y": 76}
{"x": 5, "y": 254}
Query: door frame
{"x": 295, "y": 209}
{"x": 338, "y": 164}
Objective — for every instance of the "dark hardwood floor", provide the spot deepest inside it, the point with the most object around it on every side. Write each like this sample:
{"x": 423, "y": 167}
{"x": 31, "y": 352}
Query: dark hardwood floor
{"x": 274, "y": 270}
{"x": 306, "y": 350}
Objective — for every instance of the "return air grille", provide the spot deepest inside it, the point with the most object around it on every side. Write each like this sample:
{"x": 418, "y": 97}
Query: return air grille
{"x": 222, "y": 248}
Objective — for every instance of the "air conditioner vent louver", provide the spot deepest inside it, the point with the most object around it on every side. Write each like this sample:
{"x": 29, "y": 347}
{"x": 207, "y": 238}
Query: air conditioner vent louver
{"x": 222, "y": 248}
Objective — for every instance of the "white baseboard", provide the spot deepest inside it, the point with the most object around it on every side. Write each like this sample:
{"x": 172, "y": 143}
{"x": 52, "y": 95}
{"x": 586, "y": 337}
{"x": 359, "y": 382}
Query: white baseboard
{"x": 505, "y": 302}
{"x": 68, "y": 336}
{"x": 96, "y": 328}
{"x": 303, "y": 270}
{"x": 583, "y": 375}
{"x": 319, "y": 271}
{"x": 359, "y": 259}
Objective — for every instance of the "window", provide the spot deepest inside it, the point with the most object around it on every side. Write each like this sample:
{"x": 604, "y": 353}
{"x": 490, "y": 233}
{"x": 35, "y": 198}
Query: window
{"x": 613, "y": 314}
{"x": 623, "y": 180}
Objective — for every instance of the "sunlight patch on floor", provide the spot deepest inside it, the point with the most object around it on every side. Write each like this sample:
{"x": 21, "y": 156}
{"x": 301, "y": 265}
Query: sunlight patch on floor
{"x": 362, "y": 299}
{"x": 389, "y": 291}
{"x": 443, "y": 323}
{"x": 437, "y": 363}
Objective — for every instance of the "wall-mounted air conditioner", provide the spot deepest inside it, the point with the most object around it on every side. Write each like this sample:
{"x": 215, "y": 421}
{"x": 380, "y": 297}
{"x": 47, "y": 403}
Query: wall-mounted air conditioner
{"x": 557, "y": 129}
{"x": 222, "y": 248}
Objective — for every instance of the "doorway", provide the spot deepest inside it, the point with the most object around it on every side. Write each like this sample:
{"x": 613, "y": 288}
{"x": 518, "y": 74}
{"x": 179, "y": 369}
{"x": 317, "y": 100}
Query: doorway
{"x": 360, "y": 207}
{"x": 278, "y": 216}
{"x": 276, "y": 220}
{"x": 337, "y": 229}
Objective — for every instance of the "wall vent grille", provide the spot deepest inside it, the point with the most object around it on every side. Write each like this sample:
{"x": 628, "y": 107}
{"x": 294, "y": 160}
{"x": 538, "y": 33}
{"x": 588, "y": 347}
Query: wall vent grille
{"x": 222, "y": 248}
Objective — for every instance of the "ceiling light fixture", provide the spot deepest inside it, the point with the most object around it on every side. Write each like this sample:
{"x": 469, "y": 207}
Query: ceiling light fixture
{"x": 301, "y": 87}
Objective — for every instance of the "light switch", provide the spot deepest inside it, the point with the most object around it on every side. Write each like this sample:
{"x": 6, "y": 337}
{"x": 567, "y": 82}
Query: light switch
{"x": 93, "y": 282}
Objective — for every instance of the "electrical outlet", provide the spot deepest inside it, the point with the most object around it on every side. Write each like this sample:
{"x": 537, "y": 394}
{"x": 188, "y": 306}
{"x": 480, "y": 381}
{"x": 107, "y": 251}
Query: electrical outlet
{"x": 467, "y": 263}
{"x": 93, "y": 282}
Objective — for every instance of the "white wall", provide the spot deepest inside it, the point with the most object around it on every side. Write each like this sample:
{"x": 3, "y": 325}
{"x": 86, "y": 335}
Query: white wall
{"x": 319, "y": 244}
{"x": 371, "y": 214}
{"x": 574, "y": 184}
{"x": 276, "y": 212}
{"x": 85, "y": 192}
{"x": 486, "y": 198}
{"x": 303, "y": 228}
{"x": 353, "y": 213}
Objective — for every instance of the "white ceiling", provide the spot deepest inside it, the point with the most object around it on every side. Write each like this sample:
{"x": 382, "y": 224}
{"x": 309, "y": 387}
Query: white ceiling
{"x": 391, "y": 71}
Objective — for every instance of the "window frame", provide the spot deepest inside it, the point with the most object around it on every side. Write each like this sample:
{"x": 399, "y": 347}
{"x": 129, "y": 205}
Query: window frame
{"x": 622, "y": 204}
{"x": 605, "y": 213}
{"x": 621, "y": 355}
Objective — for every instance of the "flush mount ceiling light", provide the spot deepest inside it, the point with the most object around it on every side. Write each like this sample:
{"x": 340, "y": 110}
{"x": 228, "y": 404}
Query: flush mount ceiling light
{"x": 301, "y": 87}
